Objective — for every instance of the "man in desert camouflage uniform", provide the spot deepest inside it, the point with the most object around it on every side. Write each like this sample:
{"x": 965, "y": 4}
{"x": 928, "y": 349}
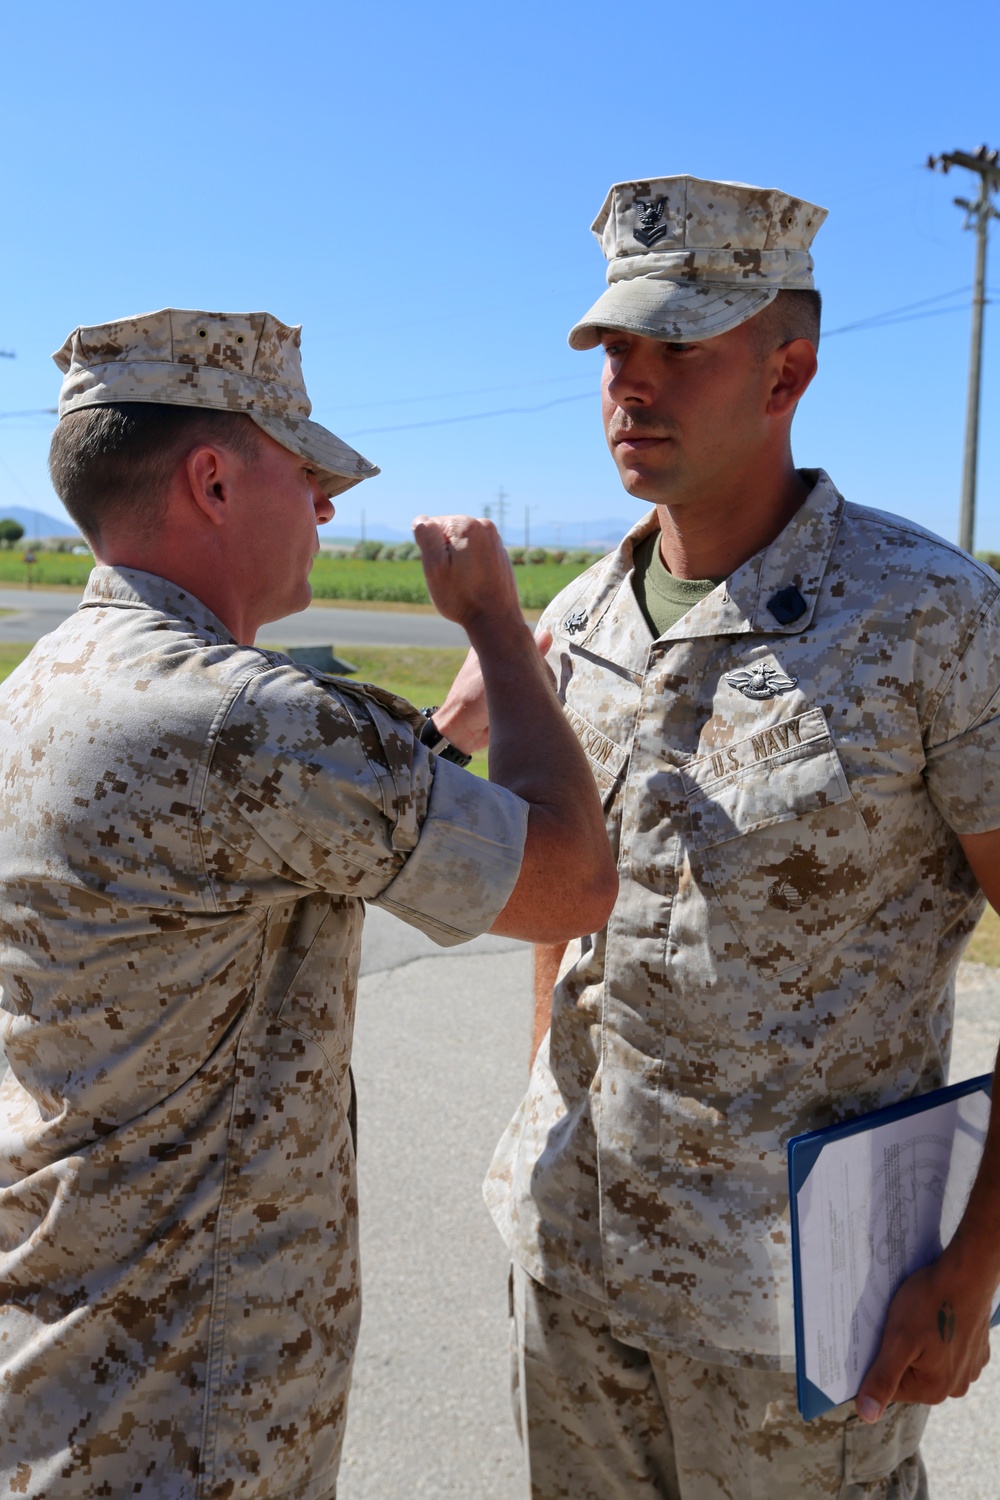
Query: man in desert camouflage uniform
{"x": 190, "y": 829}
{"x": 790, "y": 705}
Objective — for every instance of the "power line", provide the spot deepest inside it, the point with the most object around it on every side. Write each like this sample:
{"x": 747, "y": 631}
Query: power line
{"x": 483, "y": 390}
{"x": 895, "y": 314}
{"x": 474, "y": 416}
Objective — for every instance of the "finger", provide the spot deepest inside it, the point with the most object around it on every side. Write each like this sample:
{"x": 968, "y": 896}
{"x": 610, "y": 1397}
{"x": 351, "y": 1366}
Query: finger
{"x": 430, "y": 538}
{"x": 543, "y": 640}
{"x": 882, "y": 1382}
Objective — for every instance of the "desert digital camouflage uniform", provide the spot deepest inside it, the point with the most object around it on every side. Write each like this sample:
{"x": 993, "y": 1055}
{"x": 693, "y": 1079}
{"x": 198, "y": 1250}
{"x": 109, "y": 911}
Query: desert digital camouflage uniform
{"x": 662, "y": 1426}
{"x": 190, "y": 828}
{"x": 785, "y": 772}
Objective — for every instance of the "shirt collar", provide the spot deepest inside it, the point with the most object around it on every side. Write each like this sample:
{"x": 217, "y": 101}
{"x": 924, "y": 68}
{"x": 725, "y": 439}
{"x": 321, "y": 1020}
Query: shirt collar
{"x": 129, "y": 588}
{"x": 792, "y": 565}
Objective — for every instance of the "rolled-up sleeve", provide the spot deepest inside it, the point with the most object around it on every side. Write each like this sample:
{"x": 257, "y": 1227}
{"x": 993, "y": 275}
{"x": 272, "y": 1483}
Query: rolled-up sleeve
{"x": 461, "y": 873}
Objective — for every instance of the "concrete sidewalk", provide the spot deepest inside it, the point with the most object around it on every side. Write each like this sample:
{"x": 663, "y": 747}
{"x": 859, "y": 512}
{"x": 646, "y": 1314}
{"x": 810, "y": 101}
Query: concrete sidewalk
{"x": 440, "y": 1061}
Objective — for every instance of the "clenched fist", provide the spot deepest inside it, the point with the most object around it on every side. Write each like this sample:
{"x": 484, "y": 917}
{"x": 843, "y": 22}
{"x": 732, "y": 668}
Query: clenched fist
{"x": 468, "y": 572}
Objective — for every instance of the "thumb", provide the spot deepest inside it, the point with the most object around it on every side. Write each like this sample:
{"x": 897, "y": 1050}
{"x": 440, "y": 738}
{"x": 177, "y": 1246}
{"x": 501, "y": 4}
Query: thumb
{"x": 543, "y": 640}
{"x": 430, "y": 538}
{"x": 882, "y": 1381}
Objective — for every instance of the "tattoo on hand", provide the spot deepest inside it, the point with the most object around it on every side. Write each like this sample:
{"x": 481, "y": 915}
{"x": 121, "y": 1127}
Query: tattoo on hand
{"x": 946, "y": 1322}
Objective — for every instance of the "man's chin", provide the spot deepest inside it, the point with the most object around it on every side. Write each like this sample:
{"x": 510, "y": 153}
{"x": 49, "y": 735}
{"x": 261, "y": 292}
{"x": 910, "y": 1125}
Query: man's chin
{"x": 642, "y": 486}
{"x": 291, "y": 606}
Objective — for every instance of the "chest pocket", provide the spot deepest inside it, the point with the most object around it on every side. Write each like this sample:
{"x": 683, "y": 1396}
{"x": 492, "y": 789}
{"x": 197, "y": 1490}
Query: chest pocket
{"x": 777, "y": 832}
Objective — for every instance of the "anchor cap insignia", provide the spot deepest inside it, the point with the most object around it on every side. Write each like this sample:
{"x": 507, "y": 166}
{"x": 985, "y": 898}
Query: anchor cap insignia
{"x": 650, "y": 226}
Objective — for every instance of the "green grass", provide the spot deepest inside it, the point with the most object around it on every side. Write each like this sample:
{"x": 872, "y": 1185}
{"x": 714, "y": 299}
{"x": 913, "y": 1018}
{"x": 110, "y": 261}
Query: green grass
{"x": 984, "y": 945}
{"x": 423, "y": 674}
{"x": 10, "y": 657}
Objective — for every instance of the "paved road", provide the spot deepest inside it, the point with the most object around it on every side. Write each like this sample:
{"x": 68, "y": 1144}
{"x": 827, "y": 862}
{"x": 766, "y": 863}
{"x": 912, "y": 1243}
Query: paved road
{"x": 440, "y": 1059}
{"x": 37, "y": 611}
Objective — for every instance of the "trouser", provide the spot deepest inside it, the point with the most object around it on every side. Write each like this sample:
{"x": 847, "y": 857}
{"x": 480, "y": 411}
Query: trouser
{"x": 601, "y": 1420}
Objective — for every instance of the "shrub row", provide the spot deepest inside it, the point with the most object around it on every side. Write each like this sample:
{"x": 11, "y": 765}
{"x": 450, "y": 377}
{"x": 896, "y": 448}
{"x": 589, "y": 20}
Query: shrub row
{"x": 408, "y": 551}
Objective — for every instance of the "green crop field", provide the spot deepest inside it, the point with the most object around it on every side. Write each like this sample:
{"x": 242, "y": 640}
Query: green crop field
{"x": 403, "y": 582}
{"x": 50, "y": 569}
{"x": 342, "y": 578}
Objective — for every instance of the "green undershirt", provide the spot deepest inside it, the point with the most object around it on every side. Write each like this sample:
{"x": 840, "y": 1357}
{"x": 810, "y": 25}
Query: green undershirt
{"x": 663, "y": 598}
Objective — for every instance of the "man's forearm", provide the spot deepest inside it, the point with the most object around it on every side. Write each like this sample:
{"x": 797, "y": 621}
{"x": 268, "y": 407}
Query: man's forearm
{"x": 567, "y": 865}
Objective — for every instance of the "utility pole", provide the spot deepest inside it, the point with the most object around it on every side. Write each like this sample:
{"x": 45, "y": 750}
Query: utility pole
{"x": 977, "y": 216}
{"x": 502, "y": 498}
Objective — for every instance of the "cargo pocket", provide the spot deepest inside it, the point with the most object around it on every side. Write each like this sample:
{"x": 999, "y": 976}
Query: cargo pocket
{"x": 779, "y": 837}
{"x": 881, "y": 1459}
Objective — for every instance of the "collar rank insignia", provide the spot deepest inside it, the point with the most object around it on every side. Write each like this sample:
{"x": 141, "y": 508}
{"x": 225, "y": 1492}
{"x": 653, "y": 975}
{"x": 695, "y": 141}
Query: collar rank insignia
{"x": 761, "y": 681}
{"x": 575, "y": 623}
{"x": 650, "y": 227}
{"x": 787, "y": 605}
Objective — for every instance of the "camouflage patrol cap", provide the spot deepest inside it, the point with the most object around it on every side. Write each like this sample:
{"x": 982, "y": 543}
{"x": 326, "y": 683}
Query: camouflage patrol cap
{"x": 239, "y": 362}
{"x": 689, "y": 259}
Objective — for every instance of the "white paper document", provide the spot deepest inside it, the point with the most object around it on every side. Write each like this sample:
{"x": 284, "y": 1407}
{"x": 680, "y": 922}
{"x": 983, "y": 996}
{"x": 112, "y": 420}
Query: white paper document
{"x": 873, "y": 1204}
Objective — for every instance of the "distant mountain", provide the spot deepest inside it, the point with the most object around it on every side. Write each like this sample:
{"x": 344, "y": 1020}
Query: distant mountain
{"x": 606, "y": 533}
{"x": 35, "y": 522}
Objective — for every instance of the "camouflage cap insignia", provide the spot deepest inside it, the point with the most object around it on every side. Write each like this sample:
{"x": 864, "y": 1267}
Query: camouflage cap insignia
{"x": 650, "y": 226}
{"x": 576, "y": 622}
{"x": 762, "y": 681}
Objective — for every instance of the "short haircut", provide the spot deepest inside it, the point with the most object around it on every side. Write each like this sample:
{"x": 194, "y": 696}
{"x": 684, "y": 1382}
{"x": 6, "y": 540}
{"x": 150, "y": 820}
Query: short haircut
{"x": 792, "y": 315}
{"x": 112, "y": 465}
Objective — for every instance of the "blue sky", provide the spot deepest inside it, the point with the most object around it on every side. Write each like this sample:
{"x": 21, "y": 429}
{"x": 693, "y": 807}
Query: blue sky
{"x": 415, "y": 186}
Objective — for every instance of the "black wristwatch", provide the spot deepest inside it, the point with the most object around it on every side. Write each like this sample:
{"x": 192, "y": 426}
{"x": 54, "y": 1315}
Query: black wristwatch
{"x": 431, "y": 736}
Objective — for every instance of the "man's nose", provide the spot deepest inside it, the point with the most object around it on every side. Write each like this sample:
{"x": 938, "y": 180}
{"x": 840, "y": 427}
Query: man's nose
{"x": 630, "y": 379}
{"x": 323, "y": 506}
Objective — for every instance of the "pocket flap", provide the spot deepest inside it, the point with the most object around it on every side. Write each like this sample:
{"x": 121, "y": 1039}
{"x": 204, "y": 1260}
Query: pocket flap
{"x": 784, "y": 771}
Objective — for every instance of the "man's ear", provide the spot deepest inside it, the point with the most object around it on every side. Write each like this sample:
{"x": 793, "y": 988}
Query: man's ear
{"x": 209, "y": 475}
{"x": 794, "y": 368}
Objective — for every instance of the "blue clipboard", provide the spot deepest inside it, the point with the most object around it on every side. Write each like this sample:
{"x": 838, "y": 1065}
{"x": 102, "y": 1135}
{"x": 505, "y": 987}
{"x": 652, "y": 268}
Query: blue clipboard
{"x": 803, "y": 1153}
